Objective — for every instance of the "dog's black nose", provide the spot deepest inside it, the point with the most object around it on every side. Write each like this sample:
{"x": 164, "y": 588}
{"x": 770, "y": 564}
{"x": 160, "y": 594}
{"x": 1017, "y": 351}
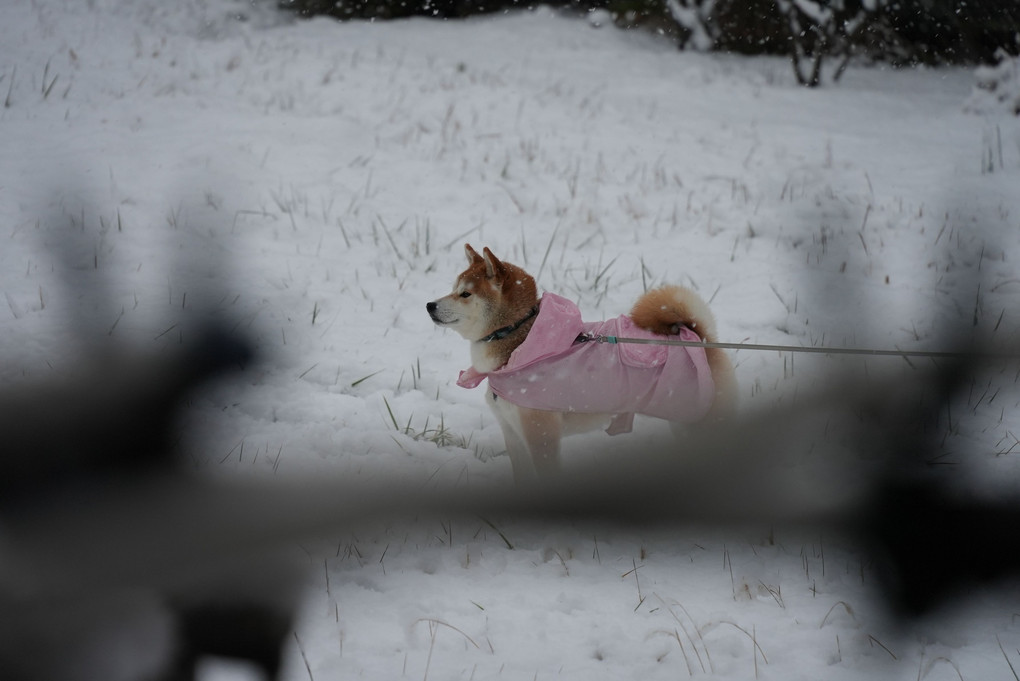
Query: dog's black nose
{"x": 431, "y": 307}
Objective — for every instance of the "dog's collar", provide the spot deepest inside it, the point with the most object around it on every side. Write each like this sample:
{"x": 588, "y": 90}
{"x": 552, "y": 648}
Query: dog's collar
{"x": 500, "y": 334}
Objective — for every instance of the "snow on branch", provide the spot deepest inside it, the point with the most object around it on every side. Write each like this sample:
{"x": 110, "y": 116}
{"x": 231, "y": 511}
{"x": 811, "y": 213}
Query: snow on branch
{"x": 818, "y": 30}
{"x": 997, "y": 88}
{"x": 696, "y": 17}
{"x": 813, "y": 10}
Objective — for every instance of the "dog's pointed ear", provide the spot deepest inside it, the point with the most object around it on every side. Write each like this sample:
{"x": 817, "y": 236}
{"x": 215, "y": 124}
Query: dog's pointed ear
{"x": 493, "y": 267}
{"x": 472, "y": 255}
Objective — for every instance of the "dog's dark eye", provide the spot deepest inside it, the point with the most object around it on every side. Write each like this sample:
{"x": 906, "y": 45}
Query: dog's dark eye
{"x": 465, "y": 294}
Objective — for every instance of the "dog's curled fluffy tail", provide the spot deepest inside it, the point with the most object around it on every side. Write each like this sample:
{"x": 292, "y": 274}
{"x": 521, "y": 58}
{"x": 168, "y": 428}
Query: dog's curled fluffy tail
{"x": 664, "y": 310}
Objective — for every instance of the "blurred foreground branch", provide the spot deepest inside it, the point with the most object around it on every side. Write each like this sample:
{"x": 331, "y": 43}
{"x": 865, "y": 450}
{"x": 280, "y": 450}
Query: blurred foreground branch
{"x": 93, "y": 508}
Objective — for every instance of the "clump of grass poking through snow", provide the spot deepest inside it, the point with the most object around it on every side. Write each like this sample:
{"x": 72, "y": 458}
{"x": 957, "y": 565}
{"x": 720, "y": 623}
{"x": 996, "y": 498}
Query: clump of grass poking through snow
{"x": 439, "y": 435}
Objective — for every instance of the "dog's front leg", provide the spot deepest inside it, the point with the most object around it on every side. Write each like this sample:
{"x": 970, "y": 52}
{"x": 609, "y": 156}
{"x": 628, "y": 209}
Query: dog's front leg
{"x": 532, "y": 438}
{"x": 520, "y": 457}
{"x": 509, "y": 418}
{"x": 542, "y": 431}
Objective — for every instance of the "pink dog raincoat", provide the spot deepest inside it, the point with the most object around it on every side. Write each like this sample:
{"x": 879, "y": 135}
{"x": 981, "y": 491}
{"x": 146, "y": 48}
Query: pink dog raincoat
{"x": 551, "y": 371}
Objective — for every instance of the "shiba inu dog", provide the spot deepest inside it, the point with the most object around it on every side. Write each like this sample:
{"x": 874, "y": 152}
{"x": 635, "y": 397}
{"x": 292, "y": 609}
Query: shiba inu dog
{"x": 548, "y": 376}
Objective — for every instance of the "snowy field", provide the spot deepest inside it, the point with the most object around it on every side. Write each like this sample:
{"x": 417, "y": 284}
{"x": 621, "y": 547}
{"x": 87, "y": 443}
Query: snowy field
{"x": 314, "y": 183}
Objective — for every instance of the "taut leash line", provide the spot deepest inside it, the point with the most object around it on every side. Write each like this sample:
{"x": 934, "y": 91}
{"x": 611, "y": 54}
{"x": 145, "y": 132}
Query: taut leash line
{"x": 613, "y": 340}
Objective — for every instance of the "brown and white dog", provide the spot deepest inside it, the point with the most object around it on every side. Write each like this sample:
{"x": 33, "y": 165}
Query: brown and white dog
{"x": 495, "y": 305}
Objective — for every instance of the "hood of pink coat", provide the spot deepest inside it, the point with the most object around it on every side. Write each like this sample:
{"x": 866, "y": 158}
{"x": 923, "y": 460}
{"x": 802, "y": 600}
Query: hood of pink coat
{"x": 556, "y": 327}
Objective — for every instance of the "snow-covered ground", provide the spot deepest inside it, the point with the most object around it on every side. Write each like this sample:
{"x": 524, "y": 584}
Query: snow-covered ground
{"x": 314, "y": 183}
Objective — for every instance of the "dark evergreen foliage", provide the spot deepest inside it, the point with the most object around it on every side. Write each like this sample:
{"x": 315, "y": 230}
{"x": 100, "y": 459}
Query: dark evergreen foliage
{"x": 951, "y": 31}
{"x": 901, "y": 32}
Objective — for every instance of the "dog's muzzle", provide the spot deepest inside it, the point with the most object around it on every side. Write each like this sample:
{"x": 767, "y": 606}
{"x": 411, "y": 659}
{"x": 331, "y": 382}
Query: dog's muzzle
{"x": 433, "y": 310}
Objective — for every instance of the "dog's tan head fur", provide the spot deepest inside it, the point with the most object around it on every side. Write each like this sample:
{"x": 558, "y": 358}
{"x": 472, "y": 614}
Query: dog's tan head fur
{"x": 489, "y": 295}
